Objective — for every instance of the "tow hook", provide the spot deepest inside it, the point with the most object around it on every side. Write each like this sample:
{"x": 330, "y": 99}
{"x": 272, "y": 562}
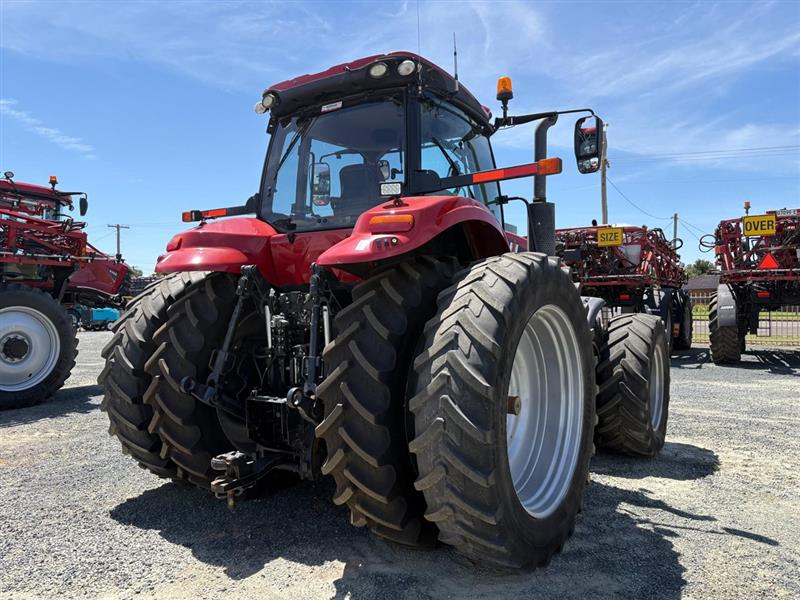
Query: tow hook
{"x": 240, "y": 473}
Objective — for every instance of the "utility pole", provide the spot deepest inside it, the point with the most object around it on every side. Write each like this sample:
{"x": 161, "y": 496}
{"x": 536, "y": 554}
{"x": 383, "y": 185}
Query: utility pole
{"x": 117, "y": 226}
{"x": 603, "y": 166}
{"x": 674, "y": 229}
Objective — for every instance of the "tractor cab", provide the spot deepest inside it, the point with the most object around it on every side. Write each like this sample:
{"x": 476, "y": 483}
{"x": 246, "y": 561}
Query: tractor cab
{"x": 395, "y": 119}
{"x": 366, "y": 146}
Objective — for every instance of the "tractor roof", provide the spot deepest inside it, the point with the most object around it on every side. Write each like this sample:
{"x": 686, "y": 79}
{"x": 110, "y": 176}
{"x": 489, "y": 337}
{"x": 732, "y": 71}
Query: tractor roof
{"x": 352, "y": 77}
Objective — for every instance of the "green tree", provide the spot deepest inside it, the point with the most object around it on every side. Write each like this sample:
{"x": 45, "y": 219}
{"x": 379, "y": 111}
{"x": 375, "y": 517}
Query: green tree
{"x": 699, "y": 267}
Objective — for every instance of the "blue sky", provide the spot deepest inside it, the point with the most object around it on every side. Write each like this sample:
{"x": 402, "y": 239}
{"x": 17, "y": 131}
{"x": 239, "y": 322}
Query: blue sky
{"x": 148, "y": 106}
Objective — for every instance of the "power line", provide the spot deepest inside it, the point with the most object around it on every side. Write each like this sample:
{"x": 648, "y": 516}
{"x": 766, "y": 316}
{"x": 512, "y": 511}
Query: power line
{"x": 695, "y": 227}
{"x": 692, "y": 233}
{"x": 721, "y": 153}
{"x": 633, "y": 204}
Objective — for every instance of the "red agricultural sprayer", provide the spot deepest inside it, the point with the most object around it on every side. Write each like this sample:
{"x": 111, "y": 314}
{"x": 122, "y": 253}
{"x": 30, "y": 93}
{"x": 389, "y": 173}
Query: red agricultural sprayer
{"x": 634, "y": 269}
{"x": 46, "y": 266}
{"x": 759, "y": 261}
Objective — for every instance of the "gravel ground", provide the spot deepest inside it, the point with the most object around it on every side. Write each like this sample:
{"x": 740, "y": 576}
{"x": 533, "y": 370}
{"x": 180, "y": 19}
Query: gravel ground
{"x": 714, "y": 516}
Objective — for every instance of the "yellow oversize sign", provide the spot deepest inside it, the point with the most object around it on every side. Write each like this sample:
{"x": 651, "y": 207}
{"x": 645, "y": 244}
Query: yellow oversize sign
{"x": 759, "y": 225}
{"x": 609, "y": 236}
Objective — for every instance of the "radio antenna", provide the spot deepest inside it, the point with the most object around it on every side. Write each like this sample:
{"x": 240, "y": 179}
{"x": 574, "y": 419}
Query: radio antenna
{"x": 419, "y": 37}
{"x": 455, "y": 60}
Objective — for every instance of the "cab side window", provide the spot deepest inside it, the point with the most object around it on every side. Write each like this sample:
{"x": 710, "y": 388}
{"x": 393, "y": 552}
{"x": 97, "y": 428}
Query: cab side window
{"x": 454, "y": 144}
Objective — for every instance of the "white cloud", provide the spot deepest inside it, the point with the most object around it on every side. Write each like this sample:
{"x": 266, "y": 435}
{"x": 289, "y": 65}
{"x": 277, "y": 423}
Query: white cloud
{"x": 56, "y": 136}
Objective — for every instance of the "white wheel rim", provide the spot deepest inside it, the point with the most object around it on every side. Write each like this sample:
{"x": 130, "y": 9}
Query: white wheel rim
{"x": 544, "y": 440}
{"x": 657, "y": 387}
{"x": 40, "y": 336}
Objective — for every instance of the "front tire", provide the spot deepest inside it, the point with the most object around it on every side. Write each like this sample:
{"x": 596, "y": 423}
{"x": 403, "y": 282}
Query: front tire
{"x": 633, "y": 379}
{"x": 38, "y": 346}
{"x": 513, "y": 326}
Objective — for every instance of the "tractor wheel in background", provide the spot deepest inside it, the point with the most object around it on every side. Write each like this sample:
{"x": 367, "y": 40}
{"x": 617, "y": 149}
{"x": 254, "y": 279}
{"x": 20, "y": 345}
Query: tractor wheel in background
{"x": 684, "y": 339}
{"x": 633, "y": 379}
{"x": 196, "y": 322}
{"x": 503, "y": 404}
{"x": 725, "y": 342}
{"x": 124, "y": 379}
{"x": 38, "y": 346}
{"x": 364, "y": 393}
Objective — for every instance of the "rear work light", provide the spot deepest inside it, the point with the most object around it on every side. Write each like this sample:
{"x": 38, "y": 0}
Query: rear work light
{"x": 391, "y": 223}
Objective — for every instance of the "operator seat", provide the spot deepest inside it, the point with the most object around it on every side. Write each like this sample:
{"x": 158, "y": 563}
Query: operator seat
{"x": 359, "y": 188}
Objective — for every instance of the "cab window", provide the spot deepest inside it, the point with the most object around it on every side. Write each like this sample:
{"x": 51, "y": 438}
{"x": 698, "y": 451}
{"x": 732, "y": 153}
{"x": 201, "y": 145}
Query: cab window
{"x": 454, "y": 144}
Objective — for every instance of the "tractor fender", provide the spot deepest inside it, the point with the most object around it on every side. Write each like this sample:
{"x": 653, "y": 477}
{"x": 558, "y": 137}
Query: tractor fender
{"x": 432, "y": 217}
{"x": 224, "y": 245}
{"x": 727, "y": 311}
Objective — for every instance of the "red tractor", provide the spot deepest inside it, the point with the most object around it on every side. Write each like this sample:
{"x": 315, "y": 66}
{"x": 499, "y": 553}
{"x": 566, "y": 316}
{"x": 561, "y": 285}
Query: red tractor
{"x": 47, "y": 266}
{"x": 759, "y": 261}
{"x": 370, "y": 322}
{"x": 635, "y": 270}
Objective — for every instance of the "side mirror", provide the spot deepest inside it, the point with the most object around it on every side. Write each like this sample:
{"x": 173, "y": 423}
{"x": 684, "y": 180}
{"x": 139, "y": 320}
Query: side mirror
{"x": 83, "y": 205}
{"x": 589, "y": 143}
{"x": 320, "y": 184}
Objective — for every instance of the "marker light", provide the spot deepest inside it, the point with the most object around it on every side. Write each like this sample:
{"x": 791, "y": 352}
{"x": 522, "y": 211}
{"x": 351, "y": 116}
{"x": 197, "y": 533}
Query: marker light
{"x": 549, "y": 166}
{"x": 504, "y": 89}
{"x": 378, "y": 70}
{"x": 391, "y": 223}
{"x": 406, "y": 68}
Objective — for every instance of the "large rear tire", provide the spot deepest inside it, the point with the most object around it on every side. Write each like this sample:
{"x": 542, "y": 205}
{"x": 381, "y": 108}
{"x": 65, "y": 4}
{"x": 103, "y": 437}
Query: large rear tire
{"x": 633, "y": 380}
{"x": 365, "y": 413}
{"x": 725, "y": 343}
{"x": 38, "y": 346}
{"x": 124, "y": 378}
{"x": 505, "y": 488}
{"x": 189, "y": 430}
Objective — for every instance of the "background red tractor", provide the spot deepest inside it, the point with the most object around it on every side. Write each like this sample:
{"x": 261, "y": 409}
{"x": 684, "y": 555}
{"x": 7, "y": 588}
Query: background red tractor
{"x": 371, "y": 323}
{"x": 47, "y": 267}
{"x": 759, "y": 261}
{"x": 634, "y": 269}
